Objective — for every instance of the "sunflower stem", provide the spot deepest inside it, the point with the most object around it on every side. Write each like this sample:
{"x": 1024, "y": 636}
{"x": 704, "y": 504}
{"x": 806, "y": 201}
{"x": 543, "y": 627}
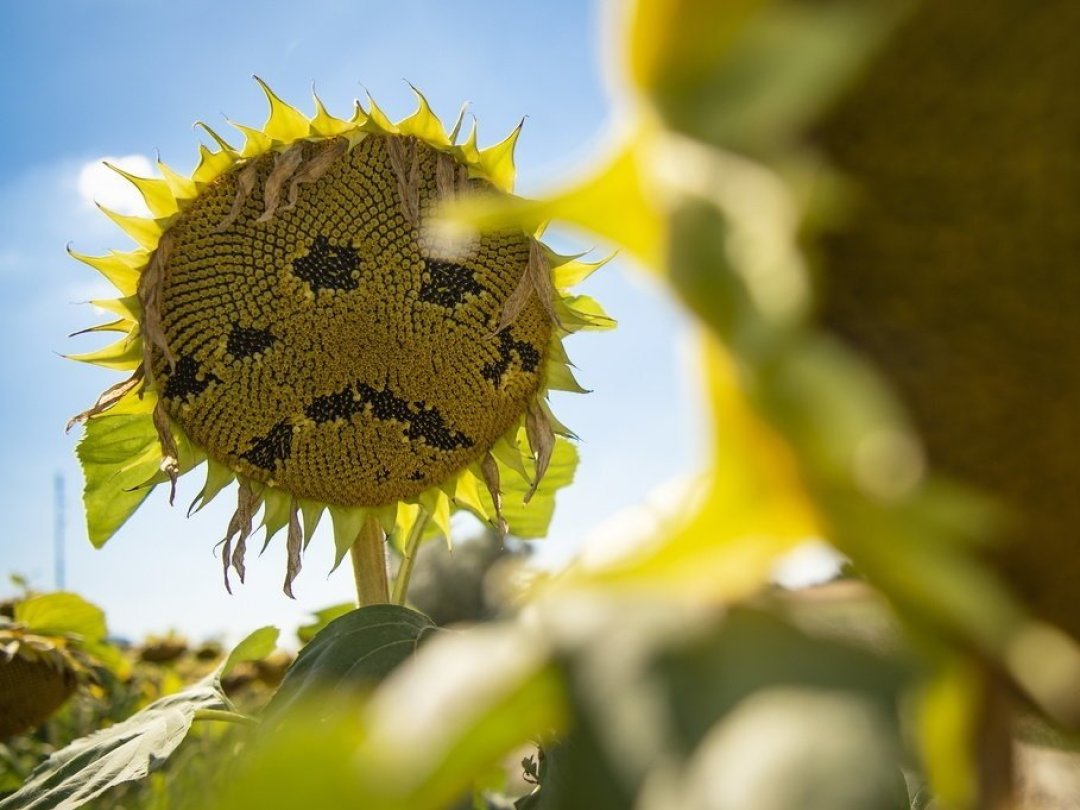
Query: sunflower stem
{"x": 408, "y": 557}
{"x": 225, "y": 717}
{"x": 369, "y": 565}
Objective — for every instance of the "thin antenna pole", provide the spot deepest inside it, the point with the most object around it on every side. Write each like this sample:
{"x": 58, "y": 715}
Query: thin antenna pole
{"x": 58, "y": 530}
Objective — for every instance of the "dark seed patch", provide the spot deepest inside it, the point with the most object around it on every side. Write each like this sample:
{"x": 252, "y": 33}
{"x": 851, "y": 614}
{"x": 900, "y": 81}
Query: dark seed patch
{"x": 328, "y": 267}
{"x": 245, "y": 341}
{"x": 186, "y": 381}
{"x": 275, "y": 446}
{"x": 448, "y": 284}
{"x": 528, "y": 356}
{"x": 422, "y": 422}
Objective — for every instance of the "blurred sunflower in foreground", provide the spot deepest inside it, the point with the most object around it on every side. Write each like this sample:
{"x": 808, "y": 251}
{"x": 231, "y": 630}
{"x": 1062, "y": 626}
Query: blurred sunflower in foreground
{"x": 294, "y": 317}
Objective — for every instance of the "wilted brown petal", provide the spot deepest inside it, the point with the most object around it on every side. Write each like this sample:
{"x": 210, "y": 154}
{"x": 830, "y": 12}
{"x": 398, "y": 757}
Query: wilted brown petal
{"x": 245, "y": 184}
{"x": 149, "y": 292}
{"x": 405, "y": 161}
{"x": 107, "y": 399}
{"x": 490, "y": 470}
{"x": 542, "y": 440}
{"x": 293, "y": 546}
{"x": 315, "y": 168}
{"x": 285, "y": 165}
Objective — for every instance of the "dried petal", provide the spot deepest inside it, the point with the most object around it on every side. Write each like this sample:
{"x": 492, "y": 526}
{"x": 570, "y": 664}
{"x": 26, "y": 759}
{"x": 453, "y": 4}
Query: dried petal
{"x": 245, "y": 184}
{"x": 405, "y": 161}
{"x": 294, "y": 545}
{"x": 285, "y": 165}
{"x": 542, "y": 440}
{"x": 490, "y": 470}
{"x": 315, "y": 168}
{"x": 151, "y": 283}
{"x": 107, "y": 399}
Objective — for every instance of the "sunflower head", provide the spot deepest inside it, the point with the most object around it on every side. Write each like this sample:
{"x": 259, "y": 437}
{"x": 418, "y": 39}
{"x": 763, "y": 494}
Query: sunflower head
{"x": 37, "y": 675}
{"x": 294, "y": 318}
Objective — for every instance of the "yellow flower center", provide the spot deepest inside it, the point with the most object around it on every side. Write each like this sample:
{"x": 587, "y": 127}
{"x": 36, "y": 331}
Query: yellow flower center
{"x": 321, "y": 339}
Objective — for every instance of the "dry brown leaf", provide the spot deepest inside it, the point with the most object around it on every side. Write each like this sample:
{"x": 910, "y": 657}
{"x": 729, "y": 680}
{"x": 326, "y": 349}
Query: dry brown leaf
{"x": 541, "y": 440}
{"x": 450, "y": 176}
{"x": 535, "y": 279}
{"x": 245, "y": 184}
{"x": 240, "y": 527}
{"x": 489, "y": 468}
{"x": 315, "y": 168}
{"x": 151, "y": 283}
{"x": 107, "y": 399}
{"x": 285, "y": 165}
{"x": 293, "y": 546}
{"x": 405, "y": 161}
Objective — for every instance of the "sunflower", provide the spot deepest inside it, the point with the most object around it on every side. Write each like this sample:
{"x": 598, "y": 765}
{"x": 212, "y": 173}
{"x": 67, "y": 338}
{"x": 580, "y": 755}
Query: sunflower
{"x": 295, "y": 318}
{"x": 38, "y": 673}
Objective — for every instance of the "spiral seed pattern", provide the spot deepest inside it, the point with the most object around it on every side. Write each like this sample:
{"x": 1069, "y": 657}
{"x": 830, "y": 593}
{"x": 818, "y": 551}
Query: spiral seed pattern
{"x": 332, "y": 349}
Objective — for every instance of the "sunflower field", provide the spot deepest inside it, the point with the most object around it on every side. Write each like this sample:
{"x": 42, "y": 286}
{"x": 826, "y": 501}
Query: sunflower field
{"x": 349, "y": 328}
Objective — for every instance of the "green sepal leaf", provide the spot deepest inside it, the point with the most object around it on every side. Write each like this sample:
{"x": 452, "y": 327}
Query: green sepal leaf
{"x": 118, "y": 454}
{"x": 531, "y": 520}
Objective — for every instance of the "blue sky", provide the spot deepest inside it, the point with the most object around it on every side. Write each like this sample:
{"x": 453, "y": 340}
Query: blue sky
{"x": 86, "y": 79}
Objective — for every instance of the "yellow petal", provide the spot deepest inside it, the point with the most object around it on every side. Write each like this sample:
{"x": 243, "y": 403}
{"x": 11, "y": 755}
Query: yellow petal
{"x": 127, "y": 308}
{"x": 212, "y": 165}
{"x": 122, "y": 270}
{"x": 220, "y": 141}
{"x": 285, "y": 123}
{"x": 376, "y": 120}
{"x": 182, "y": 188}
{"x": 424, "y": 124}
{"x": 155, "y": 192}
{"x": 467, "y": 494}
{"x": 256, "y": 142}
{"x": 125, "y": 354}
{"x": 497, "y": 161}
{"x": 145, "y": 231}
{"x": 324, "y": 123}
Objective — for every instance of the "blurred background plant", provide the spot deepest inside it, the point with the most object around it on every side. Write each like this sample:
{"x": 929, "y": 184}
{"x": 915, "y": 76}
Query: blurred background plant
{"x": 672, "y": 672}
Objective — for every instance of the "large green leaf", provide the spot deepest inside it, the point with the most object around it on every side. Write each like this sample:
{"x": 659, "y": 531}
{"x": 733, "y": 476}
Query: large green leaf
{"x": 352, "y": 653}
{"x": 61, "y": 613}
{"x": 751, "y": 75}
{"x": 123, "y": 753}
{"x": 422, "y": 738}
{"x": 118, "y": 455}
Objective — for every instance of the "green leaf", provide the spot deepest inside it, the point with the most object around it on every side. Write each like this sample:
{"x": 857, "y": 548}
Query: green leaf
{"x": 117, "y": 453}
{"x": 322, "y": 618}
{"x": 352, "y": 653}
{"x": 748, "y": 75}
{"x": 122, "y": 753}
{"x": 531, "y": 520}
{"x": 255, "y": 647}
{"x": 62, "y": 613}
{"x": 423, "y": 737}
